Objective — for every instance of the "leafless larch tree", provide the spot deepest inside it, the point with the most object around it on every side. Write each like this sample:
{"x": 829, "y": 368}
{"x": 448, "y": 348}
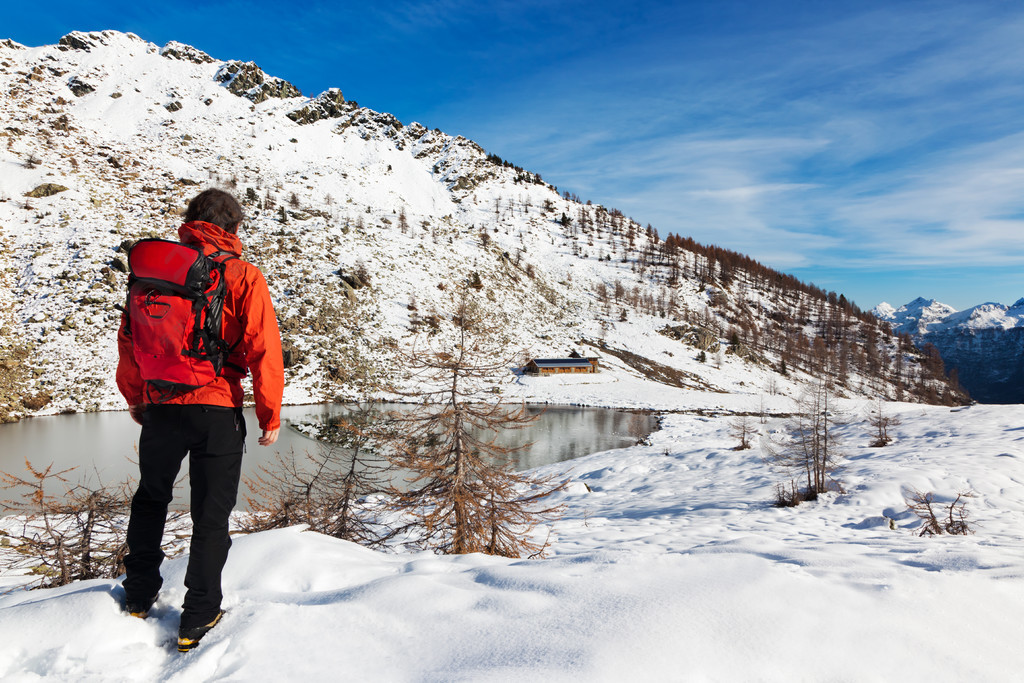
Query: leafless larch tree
{"x": 462, "y": 494}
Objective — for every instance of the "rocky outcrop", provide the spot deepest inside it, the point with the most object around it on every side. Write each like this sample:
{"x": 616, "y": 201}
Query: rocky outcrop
{"x": 328, "y": 105}
{"x": 247, "y": 80}
{"x": 697, "y": 337}
{"x": 355, "y": 280}
{"x": 76, "y": 40}
{"x": 46, "y": 190}
{"x": 185, "y": 53}
{"x": 79, "y": 87}
{"x": 11, "y": 45}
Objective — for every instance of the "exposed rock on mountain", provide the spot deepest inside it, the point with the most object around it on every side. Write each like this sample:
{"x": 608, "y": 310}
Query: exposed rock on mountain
{"x": 46, "y": 190}
{"x": 76, "y": 41}
{"x": 79, "y": 87}
{"x": 247, "y": 80}
{"x": 328, "y": 105}
{"x": 176, "y": 50}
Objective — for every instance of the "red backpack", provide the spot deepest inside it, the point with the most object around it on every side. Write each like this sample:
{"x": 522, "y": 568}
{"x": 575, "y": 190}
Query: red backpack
{"x": 175, "y": 301}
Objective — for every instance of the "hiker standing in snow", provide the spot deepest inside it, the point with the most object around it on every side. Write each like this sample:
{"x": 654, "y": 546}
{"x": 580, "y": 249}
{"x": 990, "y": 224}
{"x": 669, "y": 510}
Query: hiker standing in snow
{"x": 204, "y": 422}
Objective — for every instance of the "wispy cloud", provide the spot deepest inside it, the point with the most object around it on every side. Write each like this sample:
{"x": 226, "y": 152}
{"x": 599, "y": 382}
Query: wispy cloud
{"x": 884, "y": 138}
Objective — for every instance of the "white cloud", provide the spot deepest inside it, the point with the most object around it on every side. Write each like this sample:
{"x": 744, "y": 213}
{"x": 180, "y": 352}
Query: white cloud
{"x": 884, "y": 139}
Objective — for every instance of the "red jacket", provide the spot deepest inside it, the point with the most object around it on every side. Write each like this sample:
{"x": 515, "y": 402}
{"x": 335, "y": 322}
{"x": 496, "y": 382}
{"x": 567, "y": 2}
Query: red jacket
{"x": 248, "y": 319}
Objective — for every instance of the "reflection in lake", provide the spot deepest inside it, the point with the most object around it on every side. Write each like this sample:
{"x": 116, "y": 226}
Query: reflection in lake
{"x": 102, "y": 446}
{"x": 558, "y": 433}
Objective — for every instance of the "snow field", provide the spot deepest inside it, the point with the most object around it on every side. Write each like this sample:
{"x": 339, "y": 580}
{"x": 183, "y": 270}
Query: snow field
{"x": 674, "y": 566}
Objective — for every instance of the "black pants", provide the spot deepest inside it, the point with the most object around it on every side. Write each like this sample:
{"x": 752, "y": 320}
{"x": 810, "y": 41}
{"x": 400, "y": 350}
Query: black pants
{"x": 214, "y": 438}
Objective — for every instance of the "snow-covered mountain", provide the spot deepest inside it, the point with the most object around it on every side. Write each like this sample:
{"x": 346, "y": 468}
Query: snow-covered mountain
{"x": 915, "y": 317}
{"x": 364, "y": 227}
{"x": 923, "y": 316}
{"x": 984, "y": 343}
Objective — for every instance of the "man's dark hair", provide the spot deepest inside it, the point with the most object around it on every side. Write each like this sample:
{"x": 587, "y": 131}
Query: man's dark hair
{"x": 217, "y": 207}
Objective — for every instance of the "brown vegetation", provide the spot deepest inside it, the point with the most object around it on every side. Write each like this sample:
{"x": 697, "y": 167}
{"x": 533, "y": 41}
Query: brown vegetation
{"x": 326, "y": 490}
{"x": 463, "y": 495}
{"x": 950, "y": 518}
{"x": 810, "y": 448}
{"x": 79, "y": 535}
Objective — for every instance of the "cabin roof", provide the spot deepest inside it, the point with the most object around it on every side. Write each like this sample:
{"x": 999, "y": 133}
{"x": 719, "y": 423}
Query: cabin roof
{"x": 561, "y": 362}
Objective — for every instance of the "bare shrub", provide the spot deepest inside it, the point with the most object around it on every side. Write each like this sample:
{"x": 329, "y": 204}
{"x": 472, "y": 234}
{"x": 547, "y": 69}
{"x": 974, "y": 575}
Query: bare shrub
{"x": 881, "y": 422}
{"x": 788, "y": 497}
{"x": 78, "y": 536}
{"x": 938, "y": 518}
{"x": 328, "y": 489}
{"x": 744, "y": 429}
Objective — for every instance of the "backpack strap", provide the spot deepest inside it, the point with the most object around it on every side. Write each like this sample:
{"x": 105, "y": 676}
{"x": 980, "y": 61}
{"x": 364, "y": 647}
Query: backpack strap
{"x": 217, "y": 254}
{"x": 221, "y": 257}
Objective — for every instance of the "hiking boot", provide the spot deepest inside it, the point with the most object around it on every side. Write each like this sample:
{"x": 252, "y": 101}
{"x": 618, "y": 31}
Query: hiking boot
{"x": 139, "y": 608}
{"x": 188, "y": 638}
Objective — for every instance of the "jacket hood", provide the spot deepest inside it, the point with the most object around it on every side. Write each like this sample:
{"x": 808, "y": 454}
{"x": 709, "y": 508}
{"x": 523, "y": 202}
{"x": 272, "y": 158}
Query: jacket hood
{"x": 199, "y": 232}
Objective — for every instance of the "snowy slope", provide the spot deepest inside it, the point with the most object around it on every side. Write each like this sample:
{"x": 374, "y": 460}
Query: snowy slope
{"x": 672, "y": 567}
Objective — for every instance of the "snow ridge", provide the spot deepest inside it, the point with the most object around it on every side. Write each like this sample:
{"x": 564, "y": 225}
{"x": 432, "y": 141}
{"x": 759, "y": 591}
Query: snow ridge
{"x": 922, "y": 316}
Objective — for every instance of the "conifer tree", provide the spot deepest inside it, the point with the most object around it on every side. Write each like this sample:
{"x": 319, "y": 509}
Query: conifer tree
{"x": 328, "y": 488}
{"x": 462, "y": 494}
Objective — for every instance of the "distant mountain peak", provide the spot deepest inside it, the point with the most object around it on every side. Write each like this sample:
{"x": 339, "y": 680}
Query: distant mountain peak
{"x": 883, "y": 310}
{"x": 922, "y": 316}
{"x": 915, "y": 317}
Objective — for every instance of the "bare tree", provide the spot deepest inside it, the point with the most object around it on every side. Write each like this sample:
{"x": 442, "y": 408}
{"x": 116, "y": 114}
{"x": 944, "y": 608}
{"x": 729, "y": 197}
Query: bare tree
{"x": 811, "y": 447}
{"x": 881, "y": 422}
{"x": 463, "y": 495}
{"x": 743, "y": 428}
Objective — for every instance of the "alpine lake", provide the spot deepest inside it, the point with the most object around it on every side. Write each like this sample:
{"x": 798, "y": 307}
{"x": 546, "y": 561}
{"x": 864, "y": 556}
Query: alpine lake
{"x": 102, "y": 448}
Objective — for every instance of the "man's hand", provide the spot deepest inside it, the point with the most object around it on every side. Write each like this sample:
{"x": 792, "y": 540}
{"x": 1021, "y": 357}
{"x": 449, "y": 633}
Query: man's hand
{"x": 269, "y": 436}
{"x": 136, "y": 411}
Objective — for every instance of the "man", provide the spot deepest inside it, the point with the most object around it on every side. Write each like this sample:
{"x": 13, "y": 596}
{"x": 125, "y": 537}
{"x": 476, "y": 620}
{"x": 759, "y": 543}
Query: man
{"x": 206, "y": 423}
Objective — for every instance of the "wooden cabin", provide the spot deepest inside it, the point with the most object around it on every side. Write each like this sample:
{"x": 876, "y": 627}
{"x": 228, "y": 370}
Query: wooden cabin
{"x": 558, "y": 366}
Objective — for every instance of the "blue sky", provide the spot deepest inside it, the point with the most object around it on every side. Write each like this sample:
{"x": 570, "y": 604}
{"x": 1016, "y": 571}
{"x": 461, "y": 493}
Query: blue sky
{"x": 873, "y": 148}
